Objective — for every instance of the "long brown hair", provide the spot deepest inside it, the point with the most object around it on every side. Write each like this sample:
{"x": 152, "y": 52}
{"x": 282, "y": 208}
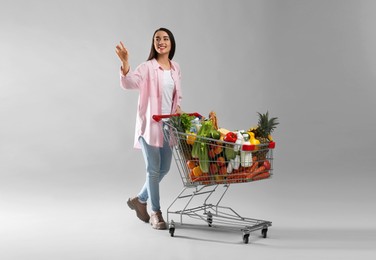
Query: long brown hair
{"x": 153, "y": 53}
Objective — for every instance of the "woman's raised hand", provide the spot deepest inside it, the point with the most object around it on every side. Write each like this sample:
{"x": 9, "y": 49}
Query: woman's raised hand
{"x": 122, "y": 53}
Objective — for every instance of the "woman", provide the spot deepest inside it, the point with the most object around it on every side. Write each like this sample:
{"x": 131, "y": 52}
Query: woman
{"x": 158, "y": 81}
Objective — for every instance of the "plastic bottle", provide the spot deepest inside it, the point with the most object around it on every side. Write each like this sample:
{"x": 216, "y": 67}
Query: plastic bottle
{"x": 239, "y": 142}
{"x": 245, "y": 153}
{"x": 237, "y": 148}
{"x": 236, "y": 162}
{"x": 195, "y": 125}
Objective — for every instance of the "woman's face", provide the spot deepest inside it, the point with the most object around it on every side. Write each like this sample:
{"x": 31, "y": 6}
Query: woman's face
{"x": 162, "y": 43}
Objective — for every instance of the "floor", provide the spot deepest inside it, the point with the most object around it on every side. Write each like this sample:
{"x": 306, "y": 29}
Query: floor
{"x": 106, "y": 229}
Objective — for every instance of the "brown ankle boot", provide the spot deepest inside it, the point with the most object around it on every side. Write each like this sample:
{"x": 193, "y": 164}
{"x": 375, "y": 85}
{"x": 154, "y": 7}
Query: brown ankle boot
{"x": 140, "y": 209}
{"x": 156, "y": 220}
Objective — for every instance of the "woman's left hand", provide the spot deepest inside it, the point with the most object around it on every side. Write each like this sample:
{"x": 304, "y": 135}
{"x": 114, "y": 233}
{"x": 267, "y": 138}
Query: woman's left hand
{"x": 178, "y": 110}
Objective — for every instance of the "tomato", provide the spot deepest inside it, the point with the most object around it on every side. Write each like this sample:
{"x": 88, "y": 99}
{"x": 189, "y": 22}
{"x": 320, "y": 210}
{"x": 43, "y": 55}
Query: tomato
{"x": 221, "y": 161}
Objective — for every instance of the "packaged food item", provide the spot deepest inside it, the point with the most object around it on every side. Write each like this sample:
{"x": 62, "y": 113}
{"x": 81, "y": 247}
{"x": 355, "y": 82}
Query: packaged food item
{"x": 239, "y": 141}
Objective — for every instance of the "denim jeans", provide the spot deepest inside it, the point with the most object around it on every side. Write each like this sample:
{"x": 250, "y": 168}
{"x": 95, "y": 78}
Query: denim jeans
{"x": 158, "y": 162}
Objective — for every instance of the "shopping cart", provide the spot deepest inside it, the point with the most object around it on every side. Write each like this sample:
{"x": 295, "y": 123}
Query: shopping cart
{"x": 214, "y": 183}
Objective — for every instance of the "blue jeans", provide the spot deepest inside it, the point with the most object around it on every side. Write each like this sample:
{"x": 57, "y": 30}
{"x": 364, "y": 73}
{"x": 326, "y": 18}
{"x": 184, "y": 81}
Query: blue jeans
{"x": 158, "y": 162}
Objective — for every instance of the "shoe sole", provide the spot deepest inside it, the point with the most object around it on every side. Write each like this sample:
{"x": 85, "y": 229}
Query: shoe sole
{"x": 132, "y": 207}
{"x": 159, "y": 228}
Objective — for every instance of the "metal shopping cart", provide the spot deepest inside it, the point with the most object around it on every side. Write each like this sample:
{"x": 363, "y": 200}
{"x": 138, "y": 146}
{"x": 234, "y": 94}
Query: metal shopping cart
{"x": 204, "y": 187}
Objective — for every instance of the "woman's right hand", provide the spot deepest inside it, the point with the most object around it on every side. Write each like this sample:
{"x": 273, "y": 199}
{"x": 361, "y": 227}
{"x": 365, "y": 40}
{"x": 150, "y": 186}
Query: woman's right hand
{"x": 122, "y": 53}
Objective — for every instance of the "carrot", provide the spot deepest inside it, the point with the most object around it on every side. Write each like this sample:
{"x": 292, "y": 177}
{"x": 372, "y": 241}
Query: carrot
{"x": 261, "y": 176}
{"x": 256, "y": 172}
{"x": 206, "y": 179}
{"x": 251, "y": 175}
{"x": 236, "y": 177}
{"x": 266, "y": 163}
{"x": 236, "y": 181}
{"x": 254, "y": 166}
{"x": 198, "y": 179}
{"x": 203, "y": 177}
{"x": 260, "y": 169}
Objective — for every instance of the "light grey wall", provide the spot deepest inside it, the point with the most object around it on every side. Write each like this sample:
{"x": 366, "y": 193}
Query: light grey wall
{"x": 67, "y": 127}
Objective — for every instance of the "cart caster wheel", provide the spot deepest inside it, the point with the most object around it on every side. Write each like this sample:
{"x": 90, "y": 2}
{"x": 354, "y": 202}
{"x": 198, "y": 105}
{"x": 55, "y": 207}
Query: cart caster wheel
{"x": 172, "y": 231}
{"x": 209, "y": 219}
{"x": 171, "y": 228}
{"x": 246, "y": 238}
{"x": 264, "y": 232}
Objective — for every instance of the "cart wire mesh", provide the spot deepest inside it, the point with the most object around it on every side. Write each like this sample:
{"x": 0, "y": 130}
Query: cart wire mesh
{"x": 202, "y": 186}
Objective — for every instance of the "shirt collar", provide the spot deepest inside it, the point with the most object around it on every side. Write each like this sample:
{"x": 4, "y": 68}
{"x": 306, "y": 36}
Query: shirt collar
{"x": 157, "y": 66}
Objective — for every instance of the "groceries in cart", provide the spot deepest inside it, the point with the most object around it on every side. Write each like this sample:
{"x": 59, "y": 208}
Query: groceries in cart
{"x": 214, "y": 155}
{"x": 207, "y": 156}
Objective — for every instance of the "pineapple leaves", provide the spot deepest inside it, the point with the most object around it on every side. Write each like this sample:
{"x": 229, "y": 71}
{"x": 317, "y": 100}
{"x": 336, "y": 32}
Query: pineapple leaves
{"x": 265, "y": 125}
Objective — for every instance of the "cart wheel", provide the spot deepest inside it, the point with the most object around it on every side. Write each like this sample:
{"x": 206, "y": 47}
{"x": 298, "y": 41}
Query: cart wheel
{"x": 171, "y": 228}
{"x": 264, "y": 231}
{"x": 172, "y": 231}
{"x": 209, "y": 219}
{"x": 245, "y": 238}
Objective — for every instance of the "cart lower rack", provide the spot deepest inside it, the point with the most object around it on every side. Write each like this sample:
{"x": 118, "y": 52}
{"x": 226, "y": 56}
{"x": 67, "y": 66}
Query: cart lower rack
{"x": 226, "y": 166}
{"x": 213, "y": 215}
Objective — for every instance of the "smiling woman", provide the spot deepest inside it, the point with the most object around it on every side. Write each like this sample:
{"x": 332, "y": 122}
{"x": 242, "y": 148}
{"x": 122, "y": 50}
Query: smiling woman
{"x": 158, "y": 80}
{"x": 163, "y": 43}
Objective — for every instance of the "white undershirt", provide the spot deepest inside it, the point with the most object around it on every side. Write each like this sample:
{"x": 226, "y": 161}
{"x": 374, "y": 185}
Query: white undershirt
{"x": 168, "y": 90}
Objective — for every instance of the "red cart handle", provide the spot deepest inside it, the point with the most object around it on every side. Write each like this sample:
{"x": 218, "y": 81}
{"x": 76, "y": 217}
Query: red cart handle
{"x": 160, "y": 117}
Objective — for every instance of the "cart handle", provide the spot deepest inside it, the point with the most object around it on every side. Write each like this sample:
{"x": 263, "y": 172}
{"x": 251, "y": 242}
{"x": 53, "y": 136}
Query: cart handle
{"x": 160, "y": 117}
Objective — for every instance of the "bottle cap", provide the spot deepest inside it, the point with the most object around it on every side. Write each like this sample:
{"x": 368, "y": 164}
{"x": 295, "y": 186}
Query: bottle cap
{"x": 248, "y": 147}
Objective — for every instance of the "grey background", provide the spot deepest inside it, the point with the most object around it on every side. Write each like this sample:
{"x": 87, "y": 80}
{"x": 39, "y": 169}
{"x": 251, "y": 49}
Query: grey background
{"x": 67, "y": 164}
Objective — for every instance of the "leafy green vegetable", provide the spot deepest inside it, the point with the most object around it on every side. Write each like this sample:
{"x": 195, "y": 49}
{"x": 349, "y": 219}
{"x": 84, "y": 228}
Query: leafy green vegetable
{"x": 186, "y": 121}
{"x": 182, "y": 123}
{"x": 215, "y": 134}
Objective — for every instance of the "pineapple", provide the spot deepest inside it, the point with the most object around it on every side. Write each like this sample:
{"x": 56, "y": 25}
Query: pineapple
{"x": 263, "y": 132}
